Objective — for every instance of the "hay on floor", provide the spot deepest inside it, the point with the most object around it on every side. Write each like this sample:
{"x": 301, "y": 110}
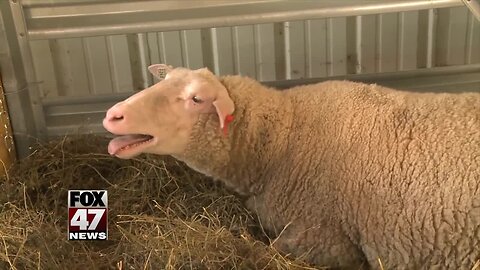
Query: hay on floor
{"x": 162, "y": 215}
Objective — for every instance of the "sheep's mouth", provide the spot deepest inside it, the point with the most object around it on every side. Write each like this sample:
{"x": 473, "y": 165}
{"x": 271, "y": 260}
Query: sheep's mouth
{"x": 128, "y": 142}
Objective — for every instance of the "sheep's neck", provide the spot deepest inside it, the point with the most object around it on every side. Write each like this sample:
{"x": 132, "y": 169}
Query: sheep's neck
{"x": 256, "y": 140}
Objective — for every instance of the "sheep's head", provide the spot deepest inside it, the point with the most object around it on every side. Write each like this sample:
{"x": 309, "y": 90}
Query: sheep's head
{"x": 160, "y": 119}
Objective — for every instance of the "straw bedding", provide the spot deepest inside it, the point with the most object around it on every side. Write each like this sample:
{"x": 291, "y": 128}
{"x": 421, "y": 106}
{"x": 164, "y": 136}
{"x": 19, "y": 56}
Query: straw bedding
{"x": 162, "y": 215}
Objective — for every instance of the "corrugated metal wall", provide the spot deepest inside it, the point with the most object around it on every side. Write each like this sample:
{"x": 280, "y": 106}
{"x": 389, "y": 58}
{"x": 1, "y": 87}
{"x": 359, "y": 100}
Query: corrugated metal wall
{"x": 268, "y": 52}
{"x": 66, "y": 61}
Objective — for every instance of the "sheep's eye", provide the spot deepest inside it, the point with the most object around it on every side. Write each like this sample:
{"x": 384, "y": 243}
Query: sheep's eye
{"x": 196, "y": 99}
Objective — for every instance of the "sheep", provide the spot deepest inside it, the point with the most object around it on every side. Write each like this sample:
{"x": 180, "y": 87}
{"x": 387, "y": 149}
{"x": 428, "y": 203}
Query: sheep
{"x": 343, "y": 174}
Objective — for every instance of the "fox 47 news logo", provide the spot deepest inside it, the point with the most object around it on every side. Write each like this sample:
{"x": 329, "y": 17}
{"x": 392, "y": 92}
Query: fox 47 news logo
{"x": 87, "y": 215}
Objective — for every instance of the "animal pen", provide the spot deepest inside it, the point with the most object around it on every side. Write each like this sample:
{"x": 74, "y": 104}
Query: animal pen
{"x": 63, "y": 63}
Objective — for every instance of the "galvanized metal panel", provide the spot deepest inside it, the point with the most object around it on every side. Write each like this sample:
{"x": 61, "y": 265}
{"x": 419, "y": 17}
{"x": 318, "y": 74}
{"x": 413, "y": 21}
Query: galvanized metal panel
{"x": 473, "y": 41}
{"x": 119, "y": 62}
{"x": 192, "y": 48}
{"x": 207, "y": 48}
{"x": 387, "y": 42}
{"x": 437, "y": 79}
{"x": 153, "y": 47}
{"x": 301, "y": 49}
{"x": 139, "y": 59}
{"x": 274, "y": 51}
{"x": 351, "y": 34}
{"x": 244, "y": 50}
{"x": 16, "y": 85}
{"x": 217, "y": 49}
{"x": 176, "y": 48}
{"x": 337, "y": 46}
{"x": 70, "y": 66}
{"x": 407, "y": 40}
{"x": 116, "y": 17}
{"x": 222, "y": 47}
{"x": 43, "y": 66}
{"x": 171, "y": 48}
{"x": 427, "y": 25}
{"x": 98, "y": 68}
{"x": 366, "y": 43}
{"x": 295, "y": 49}
{"x": 451, "y": 36}
{"x": 20, "y": 46}
{"x": 279, "y": 42}
{"x": 265, "y": 51}
{"x": 316, "y": 40}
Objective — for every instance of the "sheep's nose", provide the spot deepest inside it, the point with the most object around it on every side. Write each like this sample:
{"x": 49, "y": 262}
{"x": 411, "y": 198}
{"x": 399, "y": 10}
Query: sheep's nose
{"x": 113, "y": 117}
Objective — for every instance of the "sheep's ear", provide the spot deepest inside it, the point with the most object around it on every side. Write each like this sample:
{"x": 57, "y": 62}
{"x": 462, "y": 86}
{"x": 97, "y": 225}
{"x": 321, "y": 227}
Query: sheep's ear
{"x": 224, "y": 106}
{"x": 160, "y": 70}
{"x": 223, "y": 103}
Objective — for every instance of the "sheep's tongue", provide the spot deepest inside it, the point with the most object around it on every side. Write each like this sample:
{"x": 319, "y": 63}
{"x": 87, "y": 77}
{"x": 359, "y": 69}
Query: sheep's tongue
{"x": 120, "y": 142}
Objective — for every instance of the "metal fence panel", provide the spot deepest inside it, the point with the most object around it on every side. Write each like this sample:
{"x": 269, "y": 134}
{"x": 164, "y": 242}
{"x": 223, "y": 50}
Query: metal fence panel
{"x": 69, "y": 50}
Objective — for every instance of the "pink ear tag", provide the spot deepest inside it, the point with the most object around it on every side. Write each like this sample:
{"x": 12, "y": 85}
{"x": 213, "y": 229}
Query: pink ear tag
{"x": 228, "y": 120}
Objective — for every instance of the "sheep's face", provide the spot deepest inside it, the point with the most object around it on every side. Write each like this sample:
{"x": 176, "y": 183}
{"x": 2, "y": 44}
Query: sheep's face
{"x": 160, "y": 119}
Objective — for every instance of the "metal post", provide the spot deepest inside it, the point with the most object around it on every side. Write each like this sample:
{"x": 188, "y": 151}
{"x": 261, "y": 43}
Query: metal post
{"x": 7, "y": 147}
{"x": 21, "y": 89}
{"x": 474, "y": 6}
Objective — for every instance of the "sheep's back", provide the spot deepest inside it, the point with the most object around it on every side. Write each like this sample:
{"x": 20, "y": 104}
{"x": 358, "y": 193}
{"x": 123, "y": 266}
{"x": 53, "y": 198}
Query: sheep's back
{"x": 402, "y": 169}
